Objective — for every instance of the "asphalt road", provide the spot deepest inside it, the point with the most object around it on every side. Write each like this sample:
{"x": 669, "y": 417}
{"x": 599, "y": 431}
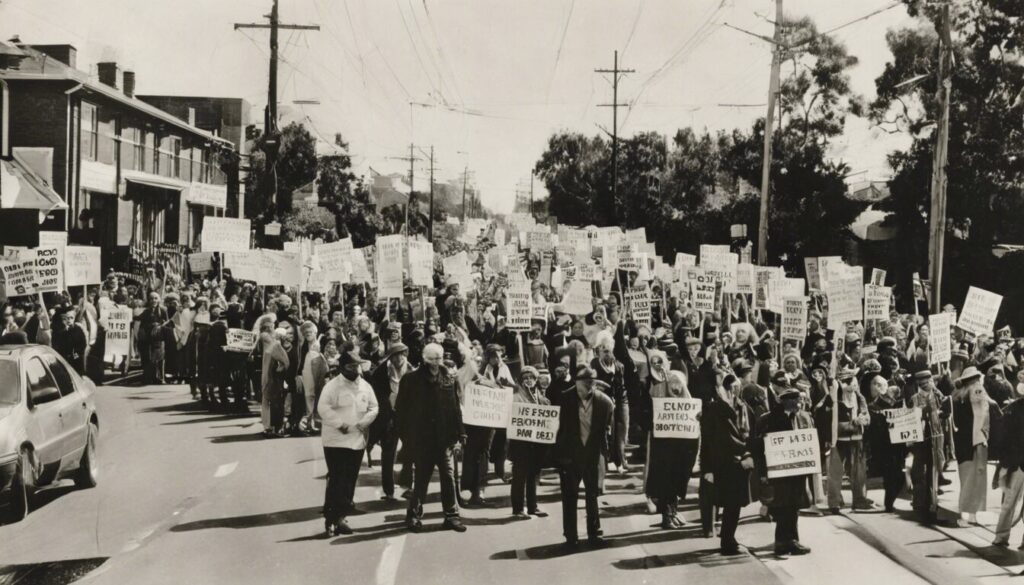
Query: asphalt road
{"x": 188, "y": 496}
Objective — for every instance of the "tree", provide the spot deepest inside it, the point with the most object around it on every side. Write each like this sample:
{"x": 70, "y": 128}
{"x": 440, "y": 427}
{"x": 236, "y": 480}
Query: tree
{"x": 347, "y": 197}
{"x": 309, "y": 222}
{"x": 575, "y": 169}
{"x": 296, "y": 166}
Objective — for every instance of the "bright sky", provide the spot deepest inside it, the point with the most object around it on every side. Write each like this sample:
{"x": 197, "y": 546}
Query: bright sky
{"x": 522, "y": 69}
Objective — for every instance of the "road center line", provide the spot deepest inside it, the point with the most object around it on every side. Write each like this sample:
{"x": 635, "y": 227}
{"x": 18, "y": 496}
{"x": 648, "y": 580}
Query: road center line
{"x": 226, "y": 469}
{"x": 387, "y": 569}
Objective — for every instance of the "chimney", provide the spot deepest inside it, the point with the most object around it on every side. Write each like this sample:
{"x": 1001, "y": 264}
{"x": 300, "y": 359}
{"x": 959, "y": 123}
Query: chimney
{"x": 107, "y": 71}
{"x": 129, "y": 83}
{"x": 66, "y": 54}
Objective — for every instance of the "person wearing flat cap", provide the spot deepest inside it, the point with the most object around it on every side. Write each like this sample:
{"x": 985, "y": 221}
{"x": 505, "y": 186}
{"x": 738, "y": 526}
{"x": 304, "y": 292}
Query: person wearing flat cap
{"x": 347, "y": 408}
{"x": 846, "y": 456}
{"x": 928, "y": 453}
{"x": 788, "y": 494}
{"x": 527, "y": 457}
{"x": 580, "y": 449}
{"x": 973, "y": 413}
{"x": 385, "y": 380}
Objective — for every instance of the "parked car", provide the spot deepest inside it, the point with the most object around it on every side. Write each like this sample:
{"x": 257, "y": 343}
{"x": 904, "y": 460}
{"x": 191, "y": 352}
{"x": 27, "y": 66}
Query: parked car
{"x": 48, "y": 425}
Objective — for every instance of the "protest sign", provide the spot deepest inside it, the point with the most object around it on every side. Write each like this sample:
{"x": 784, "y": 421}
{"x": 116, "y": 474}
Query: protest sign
{"x": 458, "y": 270}
{"x": 876, "y": 302}
{"x": 780, "y": 288}
{"x": 518, "y": 308}
{"x": 19, "y": 275}
{"x": 676, "y": 418}
{"x": 720, "y": 263}
{"x": 332, "y": 258}
{"x": 794, "y": 318}
{"x": 486, "y": 406}
{"x": 539, "y": 241}
{"x": 389, "y": 266}
{"x": 360, "y": 269}
{"x": 813, "y": 275}
{"x": 240, "y": 340}
{"x": 940, "y": 345}
{"x": 200, "y": 262}
{"x": 980, "y": 310}
{"x": 81, "y": 265}
{"x": 844, "y": 303}
{"x": 745, "y": 279}
{"x": 789, "y": 453}
{"x": 905, "y": 425}
{"x": 638, "y": 300}
{"x": 578, "y": 300}
{"x": 278, "y": 268}
{"x": 703, "y": 289}
{"x": 627, "y": 257}
{"x": 225, "y": 234}
{"x": 50, "y": 269}
{"x": 118, "y": 323}
{"x": 533, "y": 423}
{"x": 877, "y": 276}
{"x": 244, "y": 265}
{"x": 825, "y": 268}
{"x": 636, "y": 236}
{"x": 421, "y": 263}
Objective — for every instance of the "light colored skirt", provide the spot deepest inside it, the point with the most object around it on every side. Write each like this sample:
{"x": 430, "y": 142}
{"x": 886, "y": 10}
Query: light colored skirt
{"x": 974, "y": 481}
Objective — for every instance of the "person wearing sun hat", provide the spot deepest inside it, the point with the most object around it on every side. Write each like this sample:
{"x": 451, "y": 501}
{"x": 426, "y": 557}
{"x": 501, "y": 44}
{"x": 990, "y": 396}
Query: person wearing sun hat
{"x": 527, "y": 457}
{"x": 928, "y": 453}
{"x": 972, "y": 416}
{"x": 847, "y": 455}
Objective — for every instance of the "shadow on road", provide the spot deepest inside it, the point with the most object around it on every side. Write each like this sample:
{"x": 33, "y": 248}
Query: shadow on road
{"x": 211, "y": 418}
{"x": 50, "y": 573}
{"x": 708, "y": 558}
{"x": 237, "y": 438}
{"x": 552, "y": 551}
{"x": 253, "y": 520}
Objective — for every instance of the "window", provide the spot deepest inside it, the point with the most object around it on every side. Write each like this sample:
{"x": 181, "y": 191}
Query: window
{"x": 89, "y": 132}
{"x": 131, "y": 149}
{"x": 41, "y": 386}
{"x": 148, "y": 151}
{"x": 10, "y": 389}
{"x": 60, "y": 373}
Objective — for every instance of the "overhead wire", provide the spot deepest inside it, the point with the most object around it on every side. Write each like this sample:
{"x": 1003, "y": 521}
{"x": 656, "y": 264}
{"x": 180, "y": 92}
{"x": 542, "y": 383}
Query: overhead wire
{"x": 561, "y": 45}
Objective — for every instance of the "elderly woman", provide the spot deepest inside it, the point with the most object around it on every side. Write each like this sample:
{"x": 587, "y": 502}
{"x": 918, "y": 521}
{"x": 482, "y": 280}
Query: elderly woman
{"x": 669, "y": 460}
{"x": 527, "y": 458}
{"x": 611, "y": 371}
{"x": 972, "y": 418}
{"x": 275, "y": 368}
{"x": 726, "y": 459}
{"x": 312, "y": 376}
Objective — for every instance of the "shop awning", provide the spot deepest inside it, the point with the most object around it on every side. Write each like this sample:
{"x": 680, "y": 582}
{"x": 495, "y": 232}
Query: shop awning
{"x": 157, "y": 181}
{"x": 21, "y": 188}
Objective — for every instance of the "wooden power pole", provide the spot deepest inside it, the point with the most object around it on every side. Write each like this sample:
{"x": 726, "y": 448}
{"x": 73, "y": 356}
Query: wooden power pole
{"x": 937, "y": 229}
{"x": 769, "y": 123}
{"x": 615, "y": 105}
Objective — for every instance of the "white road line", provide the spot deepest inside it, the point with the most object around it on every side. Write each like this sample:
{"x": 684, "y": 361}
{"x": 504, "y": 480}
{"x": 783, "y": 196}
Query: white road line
{"x": 226, "y": 469}
{"x": 387, "y": 569}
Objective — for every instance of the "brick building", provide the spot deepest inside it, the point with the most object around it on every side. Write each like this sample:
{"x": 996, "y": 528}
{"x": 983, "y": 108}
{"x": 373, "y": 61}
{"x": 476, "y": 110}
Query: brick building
{"x": 133, "y": 176}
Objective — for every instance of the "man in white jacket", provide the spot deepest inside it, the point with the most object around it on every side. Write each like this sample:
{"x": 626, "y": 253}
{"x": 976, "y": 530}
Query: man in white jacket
{"x": 347, "y": 407}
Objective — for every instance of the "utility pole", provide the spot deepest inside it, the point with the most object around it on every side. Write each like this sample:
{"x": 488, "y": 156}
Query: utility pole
{"x": 412, "y": 158}
{"x": 766, "y": 168}
{"x": 937, "y": 229}
{"x": 430, "y": 222}
{"x": 531, "y": 197}
{"x": 270, "y": 114}
{"x": 615, "y": 105}
{"x": 465, "y": 176}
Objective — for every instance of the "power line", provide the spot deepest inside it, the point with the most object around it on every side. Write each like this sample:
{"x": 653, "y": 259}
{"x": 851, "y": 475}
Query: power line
{"x": 561, "y": 44}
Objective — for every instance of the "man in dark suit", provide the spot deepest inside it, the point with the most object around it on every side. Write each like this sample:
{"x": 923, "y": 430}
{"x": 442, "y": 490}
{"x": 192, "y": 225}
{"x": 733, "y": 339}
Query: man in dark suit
{"x": 386, "y": 380}
{"x": 584, "y": 420}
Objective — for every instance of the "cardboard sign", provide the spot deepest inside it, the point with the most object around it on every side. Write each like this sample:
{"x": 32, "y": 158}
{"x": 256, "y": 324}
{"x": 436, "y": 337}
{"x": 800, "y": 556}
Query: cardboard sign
{"x": 905, "y": 425}
{"x": 421, "y": 263}
{"x": 794, "y": 318}
{"x": 225, "y": 234}
{"x": 389, "y": 266}
{"x": 789, "y": 453}
{"x": 244, "y": 265}
{"x": 533, "y": 423}
{"x": 333, "y": 258}
{"x": 19, "y": 275}
{"x": 940, "y": 344}
{"x": 50, "y": 269}
{"x": 878, "y": 276}
{"x": 50, "y": 243}
{"x": 539, "y": 241}
{"x": 704, "y": 290}
{"x": 272, "y": 229}
{"x": 780, "y": 288}
{"x": 279, "y": 268}
{"x": 627, "y": 257}
{"x": 825, "y": 268}
{"x": 876, "y": 302}
{"x": 457, "y": 267}
{"x": 812, "y": 272}
{"x": 676, "y": 418}
{"x": 745, "y": 279}
{"x": 241, "y": 340}
{"x": 719, "y": 262}
{"x": 844, "y": 304}
{"x": 82, "y": 265}
{"x": 200, "y": 262}
{"x": 518, "y": 304}
{"x": 118, "y": 322}
{"x": 487, "y": 407}
{"x": 980, "y": 311}
{"x": 638, "y": 300}
{"x": 579, "y": 299}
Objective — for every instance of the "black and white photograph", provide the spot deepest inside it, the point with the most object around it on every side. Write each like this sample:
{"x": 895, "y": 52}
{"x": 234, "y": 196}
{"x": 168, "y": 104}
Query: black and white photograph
{"x": 414, "y": 292}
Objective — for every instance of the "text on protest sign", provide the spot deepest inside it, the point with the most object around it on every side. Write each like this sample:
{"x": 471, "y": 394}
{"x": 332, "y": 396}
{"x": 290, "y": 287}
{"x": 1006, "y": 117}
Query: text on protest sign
{"x": 789, "y": 453}
{"x": 877, "y": 276}
{"x": 876, "y": 302}
{"x": 119, "y": 328}
{"x": 676, "y": 418}
{"x": 703, "y": 289}
{"x": 519, "y": 312}
{"x": 486, "y": 406}
{"x": 336, "y": 260}
{"x": 244, "y": 265}
{"x": 578, "y": 300}
{"x": 82, "y": 265}
{"x": 780, "y": 288}
{"x": 50, "y": 269}
{"x": 389, "y": 266}
{"x": 844, "y": 302}
{"x": 905, "y": 425}
{"x": 200, "y": 262}
{"x": 19, "y": 275}
{"x": 980, "y": 310}
{"x": 533, "y": 423}
{"x": 940, "y": 345}
{"x": 638, "y": 299}
{"x": 628, "y": 257}
{"x": 225, "y": 234}
{"x": 813, "y": 275}
{"x": 794, "y": 318}
{"x": 421, "y": 263}
{"x": 240, "y": 340}
{"x": 457, "y": 268}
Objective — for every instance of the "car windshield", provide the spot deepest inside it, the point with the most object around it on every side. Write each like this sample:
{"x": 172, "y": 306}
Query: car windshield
{"x": 10, "y": 387}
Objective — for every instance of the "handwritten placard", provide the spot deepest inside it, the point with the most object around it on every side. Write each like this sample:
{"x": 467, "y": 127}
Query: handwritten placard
{"x": 676, "y": 418}
{"x": 789, "y": 453}
{"x": 486, "y": 406}
{"x": 533, "y": 423}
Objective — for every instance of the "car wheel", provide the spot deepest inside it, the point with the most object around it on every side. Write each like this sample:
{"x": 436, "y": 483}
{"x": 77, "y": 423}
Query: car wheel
{"x": 22, "y": 488}
{"x": 89, "y": 468}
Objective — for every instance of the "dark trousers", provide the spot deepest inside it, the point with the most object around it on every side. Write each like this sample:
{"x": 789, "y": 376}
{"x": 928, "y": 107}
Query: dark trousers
{"x": 620, "y": 431}
{"x": 474, "y": 463}
{"x": 388, "y": 449}
{"x": 497, "y": 452}
{"x": 893, "y": 476}
{"x": 570, "y": 477}
{"x": 525, "y": 472}
{"x": 443, "y": 459}
{"x": 786, "y": 532}
{"x": 730, "y": 520}
{"x": 706, "y": 500}
{"x": 925, "y": 477}
{"x": 342, "y": 473}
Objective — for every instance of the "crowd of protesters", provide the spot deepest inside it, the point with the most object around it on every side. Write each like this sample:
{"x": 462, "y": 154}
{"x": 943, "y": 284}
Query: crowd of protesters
{"x": 362, "y": 373}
